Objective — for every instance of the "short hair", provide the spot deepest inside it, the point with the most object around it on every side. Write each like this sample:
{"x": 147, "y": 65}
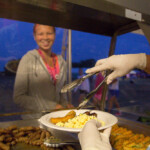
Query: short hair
{"x": 35, "y": 26}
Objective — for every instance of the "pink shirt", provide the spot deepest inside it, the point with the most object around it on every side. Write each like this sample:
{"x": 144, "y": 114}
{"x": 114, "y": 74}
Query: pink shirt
{"x": 99, "y": 79}
{"x": 53, "y": 71}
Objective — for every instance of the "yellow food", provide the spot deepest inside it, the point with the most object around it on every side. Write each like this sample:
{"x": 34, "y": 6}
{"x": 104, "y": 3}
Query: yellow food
{"x": 124, "y": 139}
{"x": 69, "y": 115}
{"x": 78, "y": 121}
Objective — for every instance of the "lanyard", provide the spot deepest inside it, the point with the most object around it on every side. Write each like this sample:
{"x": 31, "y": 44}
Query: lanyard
{"x": 53, "y": 71}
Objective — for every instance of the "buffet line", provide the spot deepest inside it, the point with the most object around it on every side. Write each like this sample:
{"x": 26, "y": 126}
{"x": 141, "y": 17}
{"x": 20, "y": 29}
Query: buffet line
{"x": 29, "y": 134}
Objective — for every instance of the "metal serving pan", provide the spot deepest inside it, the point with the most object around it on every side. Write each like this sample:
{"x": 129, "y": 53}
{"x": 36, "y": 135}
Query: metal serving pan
{"x": 22, "y": 123}
{"x": 136, "y": 127}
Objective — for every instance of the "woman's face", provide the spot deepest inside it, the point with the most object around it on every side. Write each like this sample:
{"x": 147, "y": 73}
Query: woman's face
{"x": 44, "y": 36}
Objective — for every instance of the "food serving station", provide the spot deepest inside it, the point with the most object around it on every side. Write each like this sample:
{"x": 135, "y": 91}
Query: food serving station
{"x": 136, "y": 127}
{"x": 105, "y": 17}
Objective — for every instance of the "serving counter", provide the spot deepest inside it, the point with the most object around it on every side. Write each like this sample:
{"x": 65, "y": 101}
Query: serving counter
{"x": 136, "y": 127}
{"x": 34, "y": 122}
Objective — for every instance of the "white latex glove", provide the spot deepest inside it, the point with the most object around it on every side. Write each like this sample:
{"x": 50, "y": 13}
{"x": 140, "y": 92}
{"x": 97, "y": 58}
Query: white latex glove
{"x": 91, "y": 139}
{"x": 120, "y": 64}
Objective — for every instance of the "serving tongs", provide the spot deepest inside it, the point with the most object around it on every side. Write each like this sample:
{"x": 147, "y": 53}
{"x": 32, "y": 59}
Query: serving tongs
{"x": 55, "y": 142}
{"x": 77, "y": 82}
{"x": 91, "y": 94}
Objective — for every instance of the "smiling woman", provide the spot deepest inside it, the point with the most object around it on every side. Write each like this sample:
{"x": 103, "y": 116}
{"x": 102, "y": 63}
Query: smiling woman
{"x": 41, "y": 74}
{"x": 44, "y": 36}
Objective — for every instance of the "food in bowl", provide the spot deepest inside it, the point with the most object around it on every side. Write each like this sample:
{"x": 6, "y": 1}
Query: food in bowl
{"x": 73, "y": 121}
{"x": 68, "y": 116}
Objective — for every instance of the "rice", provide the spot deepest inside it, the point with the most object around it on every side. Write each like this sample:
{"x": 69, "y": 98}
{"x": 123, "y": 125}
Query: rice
{"x": 78, "y": 121}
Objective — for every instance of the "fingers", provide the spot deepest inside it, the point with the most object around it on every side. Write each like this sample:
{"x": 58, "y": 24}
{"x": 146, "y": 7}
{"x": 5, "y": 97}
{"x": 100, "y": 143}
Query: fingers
{"x": 90, "y": 122}
{"x": 86, "y": 131}
{"x": 107, "y": 132}
{"x": 99, "y": 68}
{"x": 89, "y": 136}
{"x": 100, "y": 62}
{"x": 95, "y": 122}
{"x": 112, "y": 76}
{"x": 96, "y": 67}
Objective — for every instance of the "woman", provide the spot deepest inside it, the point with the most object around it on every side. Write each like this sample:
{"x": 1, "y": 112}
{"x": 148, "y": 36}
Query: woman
{"x": 41, "y": 74}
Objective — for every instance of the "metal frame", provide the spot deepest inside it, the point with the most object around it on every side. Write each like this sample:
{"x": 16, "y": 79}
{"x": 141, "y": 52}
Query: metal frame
{"x": 105, "y": 17}
{"x": 69, "y": 60}
{"x": 124, "y": 29}
{"x": 96, "y": 16}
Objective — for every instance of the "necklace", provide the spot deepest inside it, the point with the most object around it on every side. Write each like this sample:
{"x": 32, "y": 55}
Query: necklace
{"x": 53, "y": 71}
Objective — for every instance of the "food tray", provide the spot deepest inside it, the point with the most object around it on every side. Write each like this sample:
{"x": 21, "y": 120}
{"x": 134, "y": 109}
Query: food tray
{"x": 35, "y": 123}
{"x": 136, "y": 127}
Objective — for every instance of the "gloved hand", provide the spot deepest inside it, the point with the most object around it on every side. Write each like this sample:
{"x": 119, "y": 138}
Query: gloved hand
{"x": 120, "y": 64}
{"x": 91, "y": 139}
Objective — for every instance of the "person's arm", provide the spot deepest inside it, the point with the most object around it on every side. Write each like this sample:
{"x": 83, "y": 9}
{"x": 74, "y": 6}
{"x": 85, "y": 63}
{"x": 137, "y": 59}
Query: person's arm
{"x": 21, "y": 87}
{"x": 121, "y": 65}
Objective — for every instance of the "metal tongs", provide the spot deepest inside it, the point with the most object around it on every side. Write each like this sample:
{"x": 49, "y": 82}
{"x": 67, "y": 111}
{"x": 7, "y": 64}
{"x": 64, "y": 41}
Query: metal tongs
{"x": 77, "y": 82}
{"x": 91, "y": 94}
{"x": 55, "y": 142}
{"x": 70, "y": 86}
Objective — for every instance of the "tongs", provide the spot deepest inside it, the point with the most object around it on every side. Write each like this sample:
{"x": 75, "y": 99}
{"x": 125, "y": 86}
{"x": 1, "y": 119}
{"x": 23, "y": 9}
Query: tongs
{"x": 91, "y": 94}
{"x": 77, "y": 82}
{"x": 55, "y": 142}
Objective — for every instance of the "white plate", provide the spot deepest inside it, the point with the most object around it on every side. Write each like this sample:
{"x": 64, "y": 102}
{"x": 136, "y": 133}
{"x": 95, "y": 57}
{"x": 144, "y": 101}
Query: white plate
{"x": 108, "y": 118}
